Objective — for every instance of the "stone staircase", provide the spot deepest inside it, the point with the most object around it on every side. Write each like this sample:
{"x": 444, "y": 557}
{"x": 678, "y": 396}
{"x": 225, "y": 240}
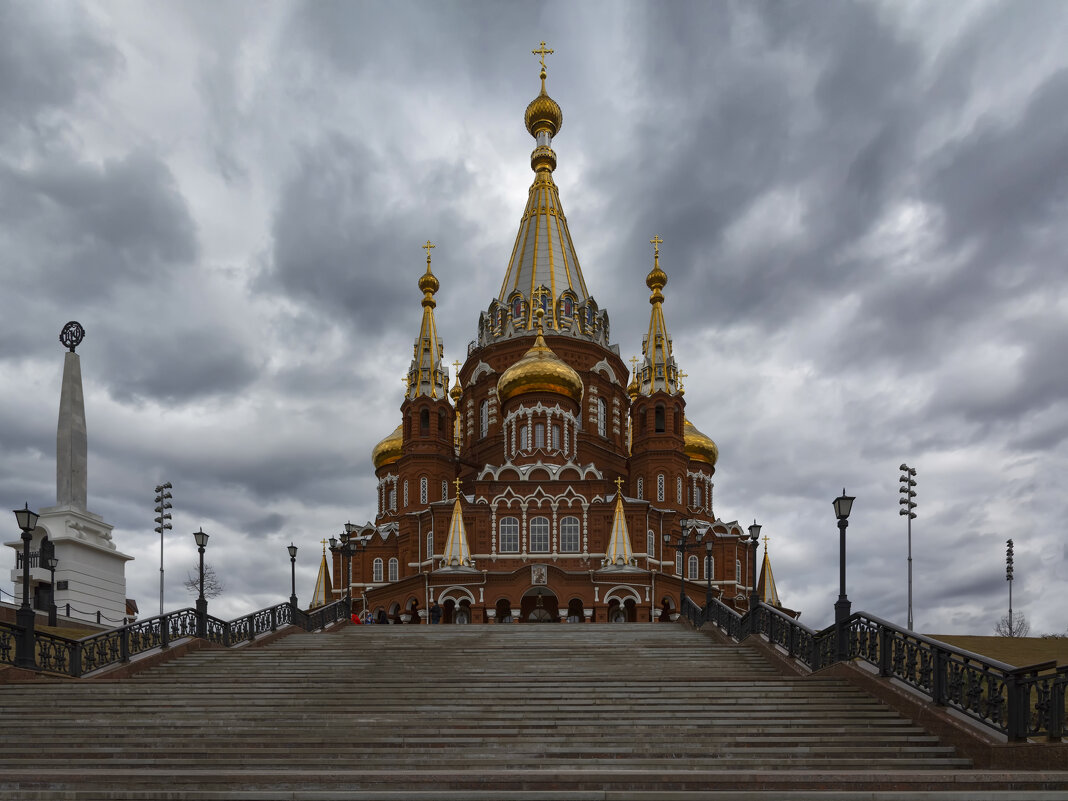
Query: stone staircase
{"x": 435, "y": 712}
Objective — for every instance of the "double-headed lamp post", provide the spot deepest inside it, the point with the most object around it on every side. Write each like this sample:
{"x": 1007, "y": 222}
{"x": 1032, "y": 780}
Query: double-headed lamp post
{"x": 843, "y": 505}
{"x": 25, "y": 616}
{"x": 754, "y": 535}
{"x": 346, "y": 548}
{"x": 292, "y": 576}
{"x": 202, "y": 603}
{"x": 688, "y": 528}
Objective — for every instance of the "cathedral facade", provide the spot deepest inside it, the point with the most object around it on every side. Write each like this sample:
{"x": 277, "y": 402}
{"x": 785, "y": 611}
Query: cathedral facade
{"x": 549, "y": 482}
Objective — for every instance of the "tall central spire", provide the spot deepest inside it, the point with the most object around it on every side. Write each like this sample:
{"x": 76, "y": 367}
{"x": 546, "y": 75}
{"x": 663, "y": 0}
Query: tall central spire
{"x": 543, "y": 265}
{"x": 426, "y": 376}
{"x": 658, "y": 372}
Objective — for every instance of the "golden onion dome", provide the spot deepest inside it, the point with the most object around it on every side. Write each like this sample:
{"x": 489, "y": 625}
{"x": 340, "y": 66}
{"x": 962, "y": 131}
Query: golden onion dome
{"x": 540, "y": 370}
{"x": 543, "y": 113}
{"x": 697, "y": 446}
{"x": 456, "y": 392}
{"x": 388, "y": 450}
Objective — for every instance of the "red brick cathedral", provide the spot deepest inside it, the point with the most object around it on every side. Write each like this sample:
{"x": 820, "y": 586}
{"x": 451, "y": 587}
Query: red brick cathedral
{"x": 549, "y": 483}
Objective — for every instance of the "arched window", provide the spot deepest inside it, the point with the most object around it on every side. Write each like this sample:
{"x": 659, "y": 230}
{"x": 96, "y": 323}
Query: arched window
{"x": 444, "y": 490}
{"x": 602, "y": 417}
{"x": 376, "y": 570}
{"x": 659, "y": 418}
{"x": 641, "y": 488}
{"x": 556, "y": 436}
{"x": 539, "y": 535}
{"x": 691, "y": 568}
{"x": 660, "y": 487}
{"x": 678, "y": 563}
{"x": 509, "y": 539}
{"x": 650, "y": 544}
{"x": 697, "y": 497}
{"x": 429, "y": 544}
{"x": 517, "y": 309}
{"x": 737, "y": 571}
{"x": 569, "y": 307}
{"x": 405, "y": 493}
{"x": 710, "y": 566}
{"x": 394, "y": 569}
{"x": 424, "y": 422}
{"x": 678, "y": 490}
{"x": 522, "y": 438}
{"x": 539, "y": 435}
{"x": 483, "y": 418}
{"x": 393, "y": 499}
{"x": 569, "y": 535}
{"x": 422, "y": 489}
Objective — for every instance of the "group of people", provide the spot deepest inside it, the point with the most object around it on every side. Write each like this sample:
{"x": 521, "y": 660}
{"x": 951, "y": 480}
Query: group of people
{"x": 366, "y": 617}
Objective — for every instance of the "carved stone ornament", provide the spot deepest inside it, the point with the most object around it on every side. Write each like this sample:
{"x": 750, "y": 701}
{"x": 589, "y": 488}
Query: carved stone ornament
{"x": 72, "y": 335}
{"x": 538, "y": 574}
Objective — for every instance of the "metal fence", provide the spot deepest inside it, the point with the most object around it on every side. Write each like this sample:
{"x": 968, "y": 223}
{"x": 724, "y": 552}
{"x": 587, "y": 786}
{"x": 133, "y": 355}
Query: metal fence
{"x": 56, "y": 654}
{"x": 1018, "y": 702}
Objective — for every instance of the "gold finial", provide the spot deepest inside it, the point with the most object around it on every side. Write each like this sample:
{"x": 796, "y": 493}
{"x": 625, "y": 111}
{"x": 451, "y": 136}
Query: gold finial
{"x": 656, "y": 242}
{"x": 427, "y": 248}
{"x": 456, "y": 364}
{"x": 457, "y": 482}
{"x": 324, "y": 546}
{"x": 428, "y": 282}
{"x": 681, "y": 376}
{"x": 657, "y": 278}
{"x": 619, "y": 484}
{"x": 539, "y": 313}
{"x": 541, "y": 53}
{"x": 634, "y": 364}
{"x": 765, "y": 543}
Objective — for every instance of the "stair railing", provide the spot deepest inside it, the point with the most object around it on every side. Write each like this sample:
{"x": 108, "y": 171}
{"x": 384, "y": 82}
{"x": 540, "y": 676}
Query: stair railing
{"x": 69, "y": 657}
{"x": 1017, "y": 702}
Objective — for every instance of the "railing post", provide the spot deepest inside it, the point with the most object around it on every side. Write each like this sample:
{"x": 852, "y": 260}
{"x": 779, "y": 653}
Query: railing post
{"x": 885, "y": 662}
{"x": 98, "y": 617}
{"x": 792, "y": 636}
{"x": 1055, "y": 727}
{"x": 1016, "y": 698}
{"x": 274, "y": 618}
{"x": 76, "y": 660}
{"x": 938, "y": 676}
{"x": 251, "y": 628}
{"x": 164, "y": 632}
{"x": 124, "y": 643}
{"x": 68, "y": 610}
{"x": 226, "y": 635}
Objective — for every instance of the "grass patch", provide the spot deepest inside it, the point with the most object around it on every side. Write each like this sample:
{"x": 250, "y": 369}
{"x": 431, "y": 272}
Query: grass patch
{"x": 1015, "y": 651}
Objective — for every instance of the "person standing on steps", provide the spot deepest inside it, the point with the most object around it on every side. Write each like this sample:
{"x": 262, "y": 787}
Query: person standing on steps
{"x": 435, "y": 613}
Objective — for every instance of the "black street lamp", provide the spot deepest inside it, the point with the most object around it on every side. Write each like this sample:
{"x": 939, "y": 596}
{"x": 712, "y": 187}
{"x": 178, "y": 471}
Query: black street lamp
{"x": 754, "y": 535}
{"x": 688, "y": 528}
{"x": 25, "y": 616}
{"x": 293, "y": 576}
{"x": 202, "y": 603}
{"x": 346, "y": 549}
{"x": 843, "y": 505}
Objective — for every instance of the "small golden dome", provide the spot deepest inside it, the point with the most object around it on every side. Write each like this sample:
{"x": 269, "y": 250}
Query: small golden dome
{"x": 697, "y": 446}
{"x": 456, "y": 392}
{"x": 632, "y": 387}
{"x": 544, "y": 113}
{"x": 540, "y": 370}
{"x": 388, "y": 450}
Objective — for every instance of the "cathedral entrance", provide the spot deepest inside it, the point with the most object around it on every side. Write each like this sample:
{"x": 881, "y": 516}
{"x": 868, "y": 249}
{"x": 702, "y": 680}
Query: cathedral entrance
{"x": 540, "y": 606}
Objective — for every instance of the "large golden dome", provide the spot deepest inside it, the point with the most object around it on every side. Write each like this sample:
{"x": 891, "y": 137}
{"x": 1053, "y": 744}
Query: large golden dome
{"x": 699, "y": 447}
{"x": 540, "y": 370}
{"x": 388, "y": 450}
{"x": 543, "y": 113}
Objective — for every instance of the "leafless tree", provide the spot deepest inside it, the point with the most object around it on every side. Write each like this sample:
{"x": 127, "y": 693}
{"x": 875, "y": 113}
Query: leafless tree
{"x": 1014, "y": 626}
{"x": 213, "y": 588}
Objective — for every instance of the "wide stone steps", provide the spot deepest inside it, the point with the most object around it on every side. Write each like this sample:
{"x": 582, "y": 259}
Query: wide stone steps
{"x": 433, "y": 711}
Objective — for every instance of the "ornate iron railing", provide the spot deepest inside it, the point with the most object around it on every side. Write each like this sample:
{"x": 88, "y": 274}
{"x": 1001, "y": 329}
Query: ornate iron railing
{"x": 56, "y": 654}
{"x": 1018, "y": 702}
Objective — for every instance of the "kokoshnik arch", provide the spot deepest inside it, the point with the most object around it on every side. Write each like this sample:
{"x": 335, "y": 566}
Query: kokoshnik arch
{"x": 546, "y": 482}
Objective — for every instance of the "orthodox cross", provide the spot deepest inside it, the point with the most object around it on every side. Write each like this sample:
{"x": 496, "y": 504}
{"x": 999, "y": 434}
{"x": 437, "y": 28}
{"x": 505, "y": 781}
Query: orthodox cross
{"x": 682, "y": 375}
{"x": 619, "y": 485}
{"x": 541, "y": 53}
{"x": 324, "y": 546}
{"x": 656, "y": 242}
{"x": 765, "y": 543}
{"x": 634, "y": 364}
{"x": 427, "y": 248}
{"x": 456, "y": 481}
{"x": 456, "y": 364}
{"x": 539, "y": 295}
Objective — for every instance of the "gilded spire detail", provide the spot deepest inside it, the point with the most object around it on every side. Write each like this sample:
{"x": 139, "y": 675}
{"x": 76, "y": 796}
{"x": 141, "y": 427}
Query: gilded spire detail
{"x": 426, "y": 375}
{"x": 766, "y": 588}
{"x": 457, "y": 552}
{"x": 659, "y": 372}
{"x": 619, "y": 551}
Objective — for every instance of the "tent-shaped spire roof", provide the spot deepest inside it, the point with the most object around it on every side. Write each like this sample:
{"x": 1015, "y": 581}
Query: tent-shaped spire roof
{"x": 543, "y": 263}
{"x": 324, "y": 590}
{"x": 427, "y": 376}
{"x": 658, "y": 372}
{"x": 619, "y": 551}
{"x": 766, "y": 583}
{"x": 457, "y": 553}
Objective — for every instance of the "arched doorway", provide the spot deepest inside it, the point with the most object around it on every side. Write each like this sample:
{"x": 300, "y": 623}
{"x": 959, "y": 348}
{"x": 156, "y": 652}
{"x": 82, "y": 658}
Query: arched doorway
{"x": 463, "y": 612}
{"x": 539, "y": 605}
{"x": 411, "y": 608}
{"x": 616, "y": 613}
{"x": 504, "y": 611}
{"x": 574, "y": 611}
{"x": 667, "y": 609}
{"x": 394, "y": 612}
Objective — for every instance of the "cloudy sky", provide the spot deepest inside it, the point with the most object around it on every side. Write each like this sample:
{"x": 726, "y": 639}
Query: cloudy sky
{"x": 863, "y": 210}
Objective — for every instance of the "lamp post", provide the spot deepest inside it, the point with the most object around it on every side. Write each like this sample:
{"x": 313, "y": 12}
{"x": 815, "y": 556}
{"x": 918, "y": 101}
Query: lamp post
{"x": 346, "y": 549}
{"x": 754, "y": 535}
{"x": 908, "y": 481}
{"x": 688, "y": 528}
{"x": 25, "y": 617}
{"x": 202, "y": 603}
{"x": 843, "y": 505}
{"x": 292, "y": 576}
{"x": 163, "y": 503}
